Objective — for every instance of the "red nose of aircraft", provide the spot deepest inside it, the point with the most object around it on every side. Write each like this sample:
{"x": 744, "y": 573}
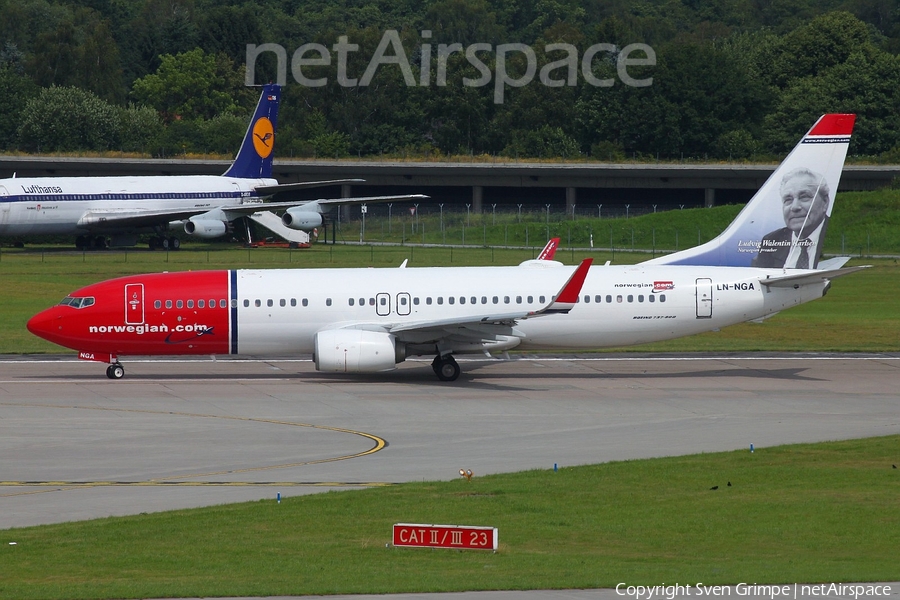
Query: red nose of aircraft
{"x": 47, "y": 324}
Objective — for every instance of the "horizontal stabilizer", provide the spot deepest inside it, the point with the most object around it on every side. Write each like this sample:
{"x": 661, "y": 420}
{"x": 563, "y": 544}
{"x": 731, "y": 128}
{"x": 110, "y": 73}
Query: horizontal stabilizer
{"x": 809, "y": 277}
{"x": 268, "y": 190}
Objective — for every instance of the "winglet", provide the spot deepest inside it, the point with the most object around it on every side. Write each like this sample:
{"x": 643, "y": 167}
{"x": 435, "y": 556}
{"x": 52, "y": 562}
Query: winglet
{"x": 549, "y": 250}
{"x": 254, "y": 159}
{"x": 567, "y": 297}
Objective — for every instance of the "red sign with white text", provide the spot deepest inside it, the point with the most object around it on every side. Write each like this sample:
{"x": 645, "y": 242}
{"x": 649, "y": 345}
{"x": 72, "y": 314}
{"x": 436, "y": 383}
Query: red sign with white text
{"x": 445, "y": 536}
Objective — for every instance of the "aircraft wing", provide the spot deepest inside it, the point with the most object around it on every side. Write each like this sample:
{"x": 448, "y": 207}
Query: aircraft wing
{"x": 97, "y": 220}
{"x": 488, "y": 325}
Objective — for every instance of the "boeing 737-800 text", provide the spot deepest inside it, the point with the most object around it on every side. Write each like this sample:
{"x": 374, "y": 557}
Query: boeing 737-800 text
{"x": 368, "y": 320}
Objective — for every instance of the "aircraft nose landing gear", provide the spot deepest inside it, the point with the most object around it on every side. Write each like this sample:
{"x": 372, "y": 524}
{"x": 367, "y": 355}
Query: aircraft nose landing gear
{"x": 445, "y": 367}
{"x": 115, "y": 371}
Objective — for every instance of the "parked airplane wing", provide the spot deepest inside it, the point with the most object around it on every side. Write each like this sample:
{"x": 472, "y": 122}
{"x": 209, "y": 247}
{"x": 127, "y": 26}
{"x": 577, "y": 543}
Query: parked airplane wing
{"x": 269, "y": 190}
{"x": 97, "y": 220}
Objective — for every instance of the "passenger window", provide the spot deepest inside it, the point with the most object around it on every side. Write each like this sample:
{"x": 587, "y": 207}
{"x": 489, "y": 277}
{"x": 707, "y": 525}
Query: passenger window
{"x": 383, "y": 301}
{"x": 618, "y": 298}
{"x": 223, "y": 303}
{"x": 462, "y": 299}
{"x": 495, "y": 300}
{"x": 505, "y": 299}
{"x": 587, "y": 298}
{"x": 257, "y": 303}
{"x": 451, "y": 299}
{"x": 428, "y": 300}
{"x": 305, "y": 302}
{"x": 190, "y": 304}
{"x": 168, "y": 304}
{"x": 518, "y": 299}
{"x": 530, "y": 299}
{"x": 402, "y": 300}
{"x": 440, "y": 300}
{"x": 598, "y": 299}
{"x": 651, "y": 298}
{"x": 416, "y": 300}
{"x": 662, "y": 297}
{"x": 179, "y": 304}
{"x": 157, "y": 304}
{"x": 293, "y": 302}
{"x": 246, "y": 303}
{"x": 609, "y": 299}
{"x": 640, "y": 297}
{"x": 484, "y": 299}
{"x": 362, "y": 302}
{"x": 541, "y": 300}
{"x": 269, "y": 303}
{"x": 351, "y": 301}
{"x": 282, "y": 302}
{"x": 201, "y": 303}
{"x": 327, "y": 301}
{"x": 473, "y": 300}
{"x": 630, "y": 298}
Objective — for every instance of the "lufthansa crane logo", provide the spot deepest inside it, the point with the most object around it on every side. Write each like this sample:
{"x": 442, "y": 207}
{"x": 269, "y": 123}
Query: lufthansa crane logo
{"x": 263, "y": 137}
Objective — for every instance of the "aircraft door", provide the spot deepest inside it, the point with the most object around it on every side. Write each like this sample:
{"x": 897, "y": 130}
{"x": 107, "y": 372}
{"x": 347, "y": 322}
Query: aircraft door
{"x": 4, "y": 206}
{"x": 382, "y": 304}
{"x": 134, "y": 304}
{"x": 403, "y": 304}
{"x": 704, "y": 298}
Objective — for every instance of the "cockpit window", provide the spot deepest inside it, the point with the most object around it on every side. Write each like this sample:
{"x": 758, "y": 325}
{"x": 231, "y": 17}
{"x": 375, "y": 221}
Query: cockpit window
{"x": 75, "y": 302}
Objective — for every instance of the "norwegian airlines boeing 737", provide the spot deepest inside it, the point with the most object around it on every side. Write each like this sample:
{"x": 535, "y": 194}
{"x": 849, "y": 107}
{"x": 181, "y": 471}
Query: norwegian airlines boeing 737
{"x": 368, "y": 320}
{"x": 97, "y": 209}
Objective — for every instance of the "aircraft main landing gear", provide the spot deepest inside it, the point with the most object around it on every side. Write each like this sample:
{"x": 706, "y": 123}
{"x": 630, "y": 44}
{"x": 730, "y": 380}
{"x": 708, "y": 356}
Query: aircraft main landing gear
{"x": 115, "y": 371}
{"x": 445, "y": 367}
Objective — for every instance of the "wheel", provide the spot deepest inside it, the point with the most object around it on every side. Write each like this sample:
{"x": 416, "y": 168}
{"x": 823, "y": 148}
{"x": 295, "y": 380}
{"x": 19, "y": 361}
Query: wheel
{"x": 164, "y": 243}
{"x": 115, "y": 371}
{"x": 448, "y": 370}
{"x": 174, "y": 243}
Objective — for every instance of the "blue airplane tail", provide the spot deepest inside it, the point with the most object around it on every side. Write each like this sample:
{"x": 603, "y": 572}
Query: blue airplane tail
{"x": 254, "y": 159}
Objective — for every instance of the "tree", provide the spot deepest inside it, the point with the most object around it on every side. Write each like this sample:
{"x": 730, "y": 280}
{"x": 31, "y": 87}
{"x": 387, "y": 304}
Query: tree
{"x": 68, "y": 118}
{"x": 193, "y": 85}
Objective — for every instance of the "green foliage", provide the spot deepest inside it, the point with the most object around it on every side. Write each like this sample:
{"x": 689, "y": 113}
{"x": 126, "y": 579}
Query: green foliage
{"x": 15, "y": 90}
{"x": 733, "y": 79}
{"x": 68, "y": 118}
{"x": 192, "y": 85}
{"x": 139, "y": 128}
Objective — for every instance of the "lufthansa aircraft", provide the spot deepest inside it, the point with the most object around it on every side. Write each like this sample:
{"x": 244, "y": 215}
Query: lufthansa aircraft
{"x": 368, "y": 320}
{"x": 98, "y": 209}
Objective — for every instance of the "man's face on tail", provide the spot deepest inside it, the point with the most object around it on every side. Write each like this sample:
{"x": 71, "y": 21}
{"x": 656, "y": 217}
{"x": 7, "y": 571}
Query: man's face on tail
{"x": 799, "y": 197}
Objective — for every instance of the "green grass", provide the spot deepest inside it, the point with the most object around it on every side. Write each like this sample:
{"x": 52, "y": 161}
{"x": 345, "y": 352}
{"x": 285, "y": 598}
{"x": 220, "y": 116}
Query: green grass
{"x": 810, "y": 513}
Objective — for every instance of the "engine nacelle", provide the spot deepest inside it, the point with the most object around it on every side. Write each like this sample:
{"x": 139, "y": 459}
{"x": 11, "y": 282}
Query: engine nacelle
{"x": 205, "y": 228}
{"x": 300, "y": 218}
{"x": 356, "y": 351}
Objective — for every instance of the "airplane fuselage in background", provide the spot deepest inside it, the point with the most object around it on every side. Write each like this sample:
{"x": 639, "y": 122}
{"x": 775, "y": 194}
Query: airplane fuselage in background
{"x": 285, "y": 312}
{"x": 65, "y": 205}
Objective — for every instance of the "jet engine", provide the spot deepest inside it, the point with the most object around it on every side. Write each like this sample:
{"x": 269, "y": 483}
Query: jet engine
{"x": 357, "y": 351}
{"x": 205, "y": 228}
{"x": 300, "y": 218}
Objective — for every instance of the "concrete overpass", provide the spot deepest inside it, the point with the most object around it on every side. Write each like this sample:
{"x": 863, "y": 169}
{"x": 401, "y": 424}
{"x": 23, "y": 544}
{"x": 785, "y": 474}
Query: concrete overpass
{"x": 480, "y": 183}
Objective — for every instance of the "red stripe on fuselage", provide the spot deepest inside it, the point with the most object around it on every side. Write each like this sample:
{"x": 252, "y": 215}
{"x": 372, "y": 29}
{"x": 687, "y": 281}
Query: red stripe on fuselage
{"x": 163, "y": 313}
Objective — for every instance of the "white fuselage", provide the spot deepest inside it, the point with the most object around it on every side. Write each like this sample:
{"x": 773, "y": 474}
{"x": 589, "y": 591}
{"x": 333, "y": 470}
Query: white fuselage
{"x": 64, "y": 205}
{"x": 280, "y": 311}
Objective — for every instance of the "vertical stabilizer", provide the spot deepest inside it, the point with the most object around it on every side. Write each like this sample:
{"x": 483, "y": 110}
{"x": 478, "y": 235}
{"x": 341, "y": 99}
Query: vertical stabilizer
{"x": 783, "y": 225}
{"x": 254, "y": 159}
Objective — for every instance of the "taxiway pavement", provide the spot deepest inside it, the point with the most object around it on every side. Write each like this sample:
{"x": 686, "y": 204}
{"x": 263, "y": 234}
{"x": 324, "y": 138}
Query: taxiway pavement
{"x": 76, "y": 445}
